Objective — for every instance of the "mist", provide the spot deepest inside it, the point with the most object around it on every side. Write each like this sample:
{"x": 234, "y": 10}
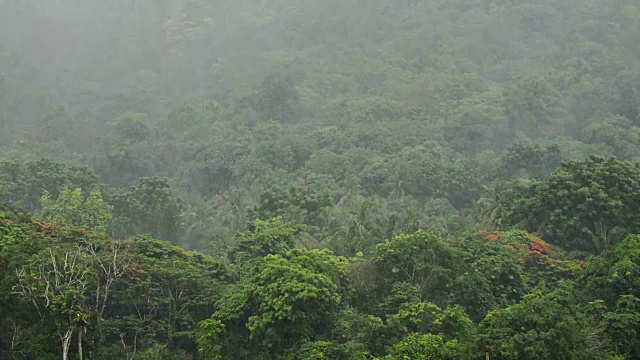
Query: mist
{"x": 380, "y": 101}
{"x": 240, "y": 129}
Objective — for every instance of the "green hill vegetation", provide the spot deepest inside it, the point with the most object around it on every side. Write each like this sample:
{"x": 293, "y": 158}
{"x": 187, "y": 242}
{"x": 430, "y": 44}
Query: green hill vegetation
{"x": 307, "y": 179}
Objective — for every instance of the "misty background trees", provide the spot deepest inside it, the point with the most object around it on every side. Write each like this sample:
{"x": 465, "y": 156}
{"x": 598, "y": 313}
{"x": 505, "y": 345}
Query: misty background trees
{"x": 225, "y": 95}
{"x": 426, "y": 174}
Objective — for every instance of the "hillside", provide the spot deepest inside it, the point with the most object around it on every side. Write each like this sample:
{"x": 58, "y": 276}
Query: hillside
{"x": 335, "y": 179}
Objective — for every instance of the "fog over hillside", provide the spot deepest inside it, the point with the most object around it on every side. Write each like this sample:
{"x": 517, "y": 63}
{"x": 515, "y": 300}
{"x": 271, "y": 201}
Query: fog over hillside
{"x": 319, "y": 179}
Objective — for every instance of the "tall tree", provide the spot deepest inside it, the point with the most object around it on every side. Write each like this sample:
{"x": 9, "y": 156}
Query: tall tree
{"x": 72, "y": 209}
{"x": 587, "y": 205}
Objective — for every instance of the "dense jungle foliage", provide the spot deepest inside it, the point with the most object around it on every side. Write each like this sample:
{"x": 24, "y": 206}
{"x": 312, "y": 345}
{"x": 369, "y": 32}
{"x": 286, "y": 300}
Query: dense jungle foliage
{"x": 319, "y": 179}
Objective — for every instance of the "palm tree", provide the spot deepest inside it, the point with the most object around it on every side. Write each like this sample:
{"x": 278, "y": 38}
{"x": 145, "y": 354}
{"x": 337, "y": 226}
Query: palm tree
{"x": 490, "y": 209}
{"x": 231, "y": 208}
{"x": 198, "y": 223}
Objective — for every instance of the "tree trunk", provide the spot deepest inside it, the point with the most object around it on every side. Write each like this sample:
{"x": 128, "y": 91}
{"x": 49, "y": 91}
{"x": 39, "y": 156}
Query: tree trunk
{"x": 80, "y": 343}
{"x": 66, "y": 342}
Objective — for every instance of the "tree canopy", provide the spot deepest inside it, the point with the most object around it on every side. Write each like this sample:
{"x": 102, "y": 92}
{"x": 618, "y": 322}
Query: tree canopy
{"x": 319, "y": 179}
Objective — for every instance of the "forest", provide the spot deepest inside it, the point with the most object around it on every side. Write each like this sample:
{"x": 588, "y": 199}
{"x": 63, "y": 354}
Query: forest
{"x": 319, "y": 179}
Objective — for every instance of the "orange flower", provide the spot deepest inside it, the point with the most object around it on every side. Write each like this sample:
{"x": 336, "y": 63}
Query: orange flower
{"x": 536, "y": 246}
